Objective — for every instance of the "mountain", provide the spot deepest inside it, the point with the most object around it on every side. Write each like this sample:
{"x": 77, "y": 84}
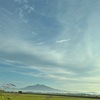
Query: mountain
{"x": 39, "y": 87}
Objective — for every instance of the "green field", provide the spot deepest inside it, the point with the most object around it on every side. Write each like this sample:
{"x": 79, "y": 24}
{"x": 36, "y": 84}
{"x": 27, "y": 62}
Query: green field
{"x": 38, "y": 97}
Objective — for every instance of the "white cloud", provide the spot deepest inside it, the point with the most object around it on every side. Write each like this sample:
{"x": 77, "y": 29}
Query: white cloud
{"x": 15, "y": 46}
{"x": 25, "y": 7}
{"x": 61, "y": 41}
{"x": 30, "y": 9}
{"x": 52, "y": 70}
{"x": 44, "y": 59}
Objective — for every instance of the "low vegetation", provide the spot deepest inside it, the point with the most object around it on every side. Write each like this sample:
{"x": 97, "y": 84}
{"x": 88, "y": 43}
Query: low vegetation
{"x": 17, "y": 96}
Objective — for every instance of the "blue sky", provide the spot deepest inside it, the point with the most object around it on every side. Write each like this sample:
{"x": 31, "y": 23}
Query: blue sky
{"x": 51, "y": 42}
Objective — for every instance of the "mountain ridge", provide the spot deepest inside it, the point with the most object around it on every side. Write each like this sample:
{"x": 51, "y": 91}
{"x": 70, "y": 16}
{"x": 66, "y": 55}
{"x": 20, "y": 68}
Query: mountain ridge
{"x": 39, "y": 87}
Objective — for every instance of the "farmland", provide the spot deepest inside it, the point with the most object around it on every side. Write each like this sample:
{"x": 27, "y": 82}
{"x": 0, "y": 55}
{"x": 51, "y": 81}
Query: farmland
{"x": 16, "y": 96}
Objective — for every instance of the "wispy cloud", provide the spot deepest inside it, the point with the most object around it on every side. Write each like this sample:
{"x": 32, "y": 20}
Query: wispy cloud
{"x": 61, "y": 41}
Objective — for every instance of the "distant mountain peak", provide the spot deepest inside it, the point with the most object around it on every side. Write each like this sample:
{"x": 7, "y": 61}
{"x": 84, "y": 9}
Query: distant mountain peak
{"x": 39, "y": 87}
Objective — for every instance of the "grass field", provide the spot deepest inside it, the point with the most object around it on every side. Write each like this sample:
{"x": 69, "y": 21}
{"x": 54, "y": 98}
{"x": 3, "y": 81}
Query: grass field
{"x": 7, "y": 96}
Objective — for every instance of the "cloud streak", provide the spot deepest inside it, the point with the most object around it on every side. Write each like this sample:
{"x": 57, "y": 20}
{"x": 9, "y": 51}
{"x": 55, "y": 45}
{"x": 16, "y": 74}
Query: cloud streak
{"x": 61, "y": 41}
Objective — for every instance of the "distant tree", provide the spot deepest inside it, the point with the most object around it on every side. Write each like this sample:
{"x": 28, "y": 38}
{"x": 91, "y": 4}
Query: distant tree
{"x": 20, "y": 92}
{"x": 3, "y": 88}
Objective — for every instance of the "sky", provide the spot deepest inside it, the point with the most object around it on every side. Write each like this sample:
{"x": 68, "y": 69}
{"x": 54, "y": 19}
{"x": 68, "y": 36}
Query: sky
{"x": 50, "y": 42}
